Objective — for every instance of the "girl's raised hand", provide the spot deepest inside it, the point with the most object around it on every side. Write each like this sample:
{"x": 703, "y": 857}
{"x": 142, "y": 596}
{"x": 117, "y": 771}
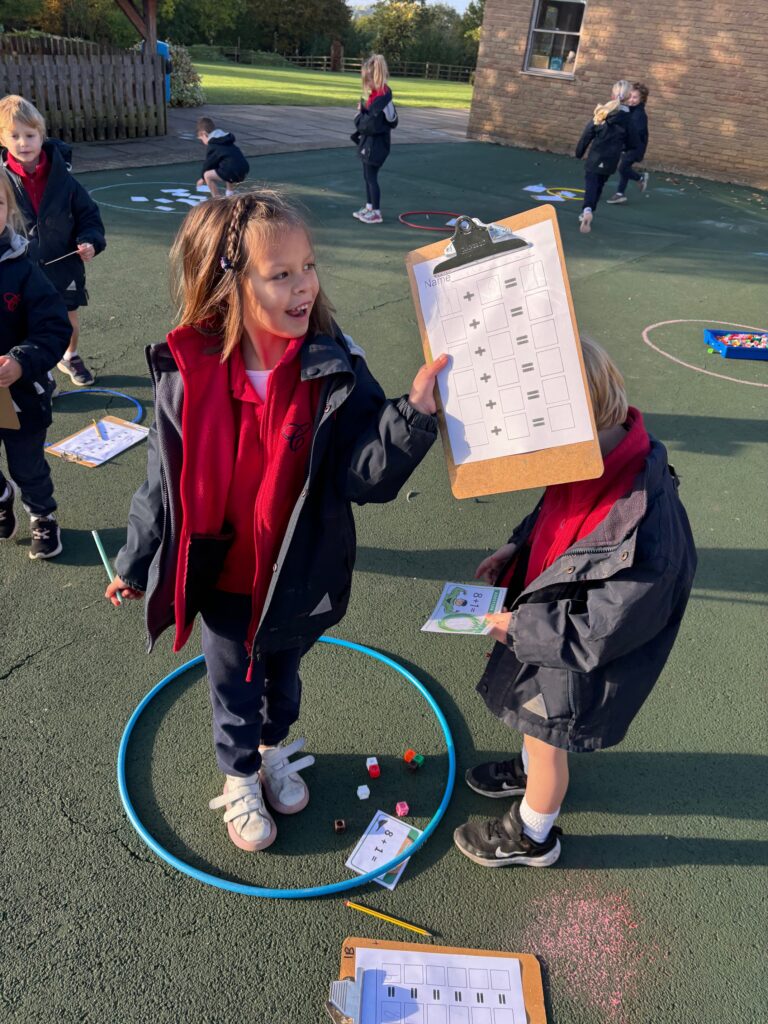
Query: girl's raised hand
{"x": 422, "y": 396}
{"x": 125, "y": 592}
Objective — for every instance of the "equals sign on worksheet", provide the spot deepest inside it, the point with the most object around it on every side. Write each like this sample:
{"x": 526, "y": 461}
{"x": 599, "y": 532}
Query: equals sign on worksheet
{"x": 522, "y": 339}
{"x": 516, "y": 311}
{"x": 510, "y": 282}
{"x": 531, "y": 395}
{"x": 538, "y": 422}
{"x": 528, "y": 368}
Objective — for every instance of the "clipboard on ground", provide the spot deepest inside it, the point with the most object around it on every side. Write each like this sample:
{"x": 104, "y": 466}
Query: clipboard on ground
{"x": 96, "y": 444}
{"x": 514, "y": 409}
{"x": 418, "y": 980}
{"x": 8, "y": 418}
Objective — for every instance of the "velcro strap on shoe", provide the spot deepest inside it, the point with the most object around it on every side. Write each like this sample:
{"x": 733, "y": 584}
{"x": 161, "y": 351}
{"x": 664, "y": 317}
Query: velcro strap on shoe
{"x": 291, "y": 767}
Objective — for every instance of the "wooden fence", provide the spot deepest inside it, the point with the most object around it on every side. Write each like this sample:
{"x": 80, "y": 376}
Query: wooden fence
{"x": 53, "y": 46}
{"x": 90, "y": 97}
{"x": 397, "y": 68}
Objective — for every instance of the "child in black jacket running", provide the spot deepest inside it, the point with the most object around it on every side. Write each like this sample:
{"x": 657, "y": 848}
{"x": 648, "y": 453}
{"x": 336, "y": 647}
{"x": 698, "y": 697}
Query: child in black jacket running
{"x": 607, "y": 135}
{"x": 34, "y": 331}
{"x": 638, "y": 97}
{"x": 376, "y": 117}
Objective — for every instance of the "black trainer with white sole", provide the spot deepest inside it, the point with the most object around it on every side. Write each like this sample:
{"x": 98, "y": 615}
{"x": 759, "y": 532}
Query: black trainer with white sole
{"x": 502, "y": 842}
{"x": 498, "y": 779}
{"x": 46, "y": 537}
{"x": 9, "y": 524}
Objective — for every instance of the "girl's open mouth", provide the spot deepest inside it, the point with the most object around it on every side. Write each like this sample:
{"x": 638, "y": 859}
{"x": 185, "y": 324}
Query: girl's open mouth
{"x": 299, "y": 311}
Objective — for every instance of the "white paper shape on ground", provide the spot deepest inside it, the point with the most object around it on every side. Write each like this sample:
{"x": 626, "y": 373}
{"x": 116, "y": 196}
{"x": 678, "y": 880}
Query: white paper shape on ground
{"x": 139, "y": 199}
{"x": 164, "y": 209}
{"x": 549, "y": 199}
{"x": 176, "y": 191}
{"x": 202, "y": 188}
{"x": 535, "y": 188}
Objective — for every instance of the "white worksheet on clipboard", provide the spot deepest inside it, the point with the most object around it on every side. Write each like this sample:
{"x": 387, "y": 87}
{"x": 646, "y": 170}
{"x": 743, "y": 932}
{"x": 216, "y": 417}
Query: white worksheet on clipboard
{"x": 420, "y": 987}
{"x": 514, "y": 384}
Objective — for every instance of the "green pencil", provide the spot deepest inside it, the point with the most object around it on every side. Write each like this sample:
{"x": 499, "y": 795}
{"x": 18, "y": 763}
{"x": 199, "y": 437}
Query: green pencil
{"x": 105, "y": 560}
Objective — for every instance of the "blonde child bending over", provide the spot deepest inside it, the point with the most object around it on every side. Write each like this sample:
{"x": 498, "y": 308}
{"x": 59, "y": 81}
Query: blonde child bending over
{"x": 598, "y": 578}
{"x": 268, "y": 425}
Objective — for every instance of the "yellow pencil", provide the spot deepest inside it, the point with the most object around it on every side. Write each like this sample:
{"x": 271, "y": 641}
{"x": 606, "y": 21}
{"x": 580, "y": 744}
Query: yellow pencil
{"x": 386, "y": 917}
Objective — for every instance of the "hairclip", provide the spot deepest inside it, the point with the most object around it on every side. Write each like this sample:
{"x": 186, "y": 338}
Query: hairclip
{"x": 225, "y": 263}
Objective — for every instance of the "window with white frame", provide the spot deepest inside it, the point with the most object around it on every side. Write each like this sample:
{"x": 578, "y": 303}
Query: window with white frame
{"x": 553, "y": 41}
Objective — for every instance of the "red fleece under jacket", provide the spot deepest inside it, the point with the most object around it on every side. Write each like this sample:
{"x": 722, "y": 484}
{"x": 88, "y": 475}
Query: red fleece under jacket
{"x": 572, "y": 511}
{"x": 244, "y": 462}
{"x": 34, "y": 181}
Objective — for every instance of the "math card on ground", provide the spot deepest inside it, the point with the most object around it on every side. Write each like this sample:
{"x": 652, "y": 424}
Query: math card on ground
{"x": 382, "y": 841}
{"x": 98, "y": 443}
{"x": 462, "y": 609}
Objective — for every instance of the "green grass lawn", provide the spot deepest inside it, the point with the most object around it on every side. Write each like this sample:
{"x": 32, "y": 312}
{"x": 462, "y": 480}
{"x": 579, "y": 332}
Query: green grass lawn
{"x": 238, "y": 83}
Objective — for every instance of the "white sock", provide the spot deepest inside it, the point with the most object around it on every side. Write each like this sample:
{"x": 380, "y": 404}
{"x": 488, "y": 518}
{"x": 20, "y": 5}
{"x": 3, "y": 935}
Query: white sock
{"x": 536, "y": 825}
{"x": 6, "y": 493}
{"x": 524, "y": 754}
{"x": 68, "y": 355}
{"x": 368, "y": 206}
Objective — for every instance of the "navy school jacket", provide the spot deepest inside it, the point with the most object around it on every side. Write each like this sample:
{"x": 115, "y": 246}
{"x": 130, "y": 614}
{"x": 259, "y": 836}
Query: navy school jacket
{"x": 224, "y": 157}
{"x": 373, "y": 128}
{"x": 607, "y": 141}
{"x": 67, "y": 216}
{"x": 364, "y": 448}
{"x": 34, "y": 330}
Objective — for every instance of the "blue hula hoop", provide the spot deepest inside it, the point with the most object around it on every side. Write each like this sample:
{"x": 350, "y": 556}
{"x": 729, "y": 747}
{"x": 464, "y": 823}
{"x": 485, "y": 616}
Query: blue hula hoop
{"x": 288, "y": 894}
{"x": 106, "y": 391}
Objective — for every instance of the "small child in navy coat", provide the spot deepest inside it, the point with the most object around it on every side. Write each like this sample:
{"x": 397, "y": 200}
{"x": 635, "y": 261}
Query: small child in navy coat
{"x": 638, "y": 97}
{"x": 224, "y": 162}
{"x": 608, "y": 134}
{"x": 61, "y": 220}
{"x": 376, "y": 117}
{"x": 34, "y": 331}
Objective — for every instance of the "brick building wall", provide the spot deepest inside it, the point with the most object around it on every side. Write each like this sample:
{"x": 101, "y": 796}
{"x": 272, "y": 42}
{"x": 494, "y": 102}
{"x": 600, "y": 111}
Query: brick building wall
{"x": 703, "y": 61}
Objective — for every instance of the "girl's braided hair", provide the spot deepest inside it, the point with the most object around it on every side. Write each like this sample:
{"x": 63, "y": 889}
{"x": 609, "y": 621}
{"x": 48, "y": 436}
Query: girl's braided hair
{"x": 212, "y": 255}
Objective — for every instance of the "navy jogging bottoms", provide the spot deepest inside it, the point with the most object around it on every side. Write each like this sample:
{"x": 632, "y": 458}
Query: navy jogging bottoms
{"x": 246, "y": 714}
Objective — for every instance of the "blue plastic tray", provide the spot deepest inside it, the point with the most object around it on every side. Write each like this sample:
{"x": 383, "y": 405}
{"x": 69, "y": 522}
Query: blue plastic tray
{"x": 713, "y": 340}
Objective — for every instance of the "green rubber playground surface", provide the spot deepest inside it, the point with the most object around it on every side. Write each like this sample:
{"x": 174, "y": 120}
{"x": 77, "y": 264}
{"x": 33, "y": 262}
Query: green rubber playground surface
{"x": 655, "y": 911}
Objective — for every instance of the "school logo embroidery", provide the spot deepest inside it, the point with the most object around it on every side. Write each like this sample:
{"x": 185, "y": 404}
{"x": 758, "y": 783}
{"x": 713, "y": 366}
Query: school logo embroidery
{"x": 11, "y": 301}
{"x": 296, "y": 435}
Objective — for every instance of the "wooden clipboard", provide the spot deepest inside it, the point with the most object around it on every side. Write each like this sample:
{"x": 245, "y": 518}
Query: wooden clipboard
{"x": 8, "y": 418}
{"x": 54, "y": 449}
{"x": 580, "y": 461}
{"x": 530, "y": 969}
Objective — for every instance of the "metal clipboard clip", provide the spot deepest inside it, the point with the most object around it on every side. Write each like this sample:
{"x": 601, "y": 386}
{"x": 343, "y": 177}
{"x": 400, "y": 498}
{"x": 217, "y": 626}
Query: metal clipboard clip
{"x": 472, "y": 241}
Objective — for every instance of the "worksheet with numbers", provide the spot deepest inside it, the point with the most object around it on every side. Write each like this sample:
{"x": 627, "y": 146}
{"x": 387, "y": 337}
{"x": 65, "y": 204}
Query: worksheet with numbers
{"x": 418, "y": 987}
{"x": 514, "y": 383}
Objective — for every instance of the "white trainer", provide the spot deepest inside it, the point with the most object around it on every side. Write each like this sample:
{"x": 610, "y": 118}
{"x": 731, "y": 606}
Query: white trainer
{"x": 285, "y": 791}
{"x": 249, "y": 823}
{"x": 585, "y": 221}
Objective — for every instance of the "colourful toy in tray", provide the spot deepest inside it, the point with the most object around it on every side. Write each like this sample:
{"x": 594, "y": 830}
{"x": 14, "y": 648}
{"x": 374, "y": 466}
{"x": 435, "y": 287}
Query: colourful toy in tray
{"x": 738, "y": 345}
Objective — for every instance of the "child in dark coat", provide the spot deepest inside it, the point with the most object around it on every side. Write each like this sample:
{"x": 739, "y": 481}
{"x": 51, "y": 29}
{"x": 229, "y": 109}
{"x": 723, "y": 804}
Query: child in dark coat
{"x": 34, "y": 331}
{"x": 607, "y": 135}
{"x": 224, "y": 162}
{"x": 260, "y": 395}
{"x": 61, "y": 220}
{"x": 376, "y": 117}
{"x": 638, "y": 97}
{"x": 598, "y": 578}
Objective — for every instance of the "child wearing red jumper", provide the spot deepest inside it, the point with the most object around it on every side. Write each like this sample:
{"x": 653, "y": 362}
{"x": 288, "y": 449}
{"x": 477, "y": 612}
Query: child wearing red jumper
{"x": 598, "y": 577}
{"x": 268, "y": 425}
